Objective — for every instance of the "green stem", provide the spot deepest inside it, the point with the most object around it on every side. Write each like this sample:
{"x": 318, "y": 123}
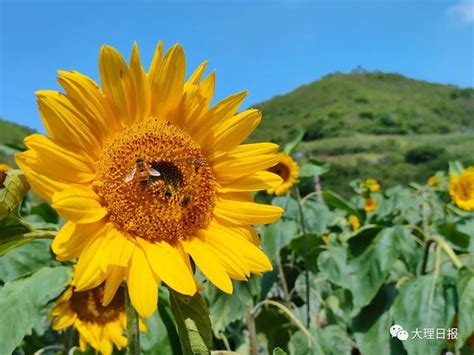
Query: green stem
{"x": 288, "y": 313}
{"x": 449, "y": 252}
{"x": 133, "y": 334}
{"x": 306, "y": 262}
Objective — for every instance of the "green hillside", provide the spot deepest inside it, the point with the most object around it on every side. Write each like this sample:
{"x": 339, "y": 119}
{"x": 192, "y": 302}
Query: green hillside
{"x": 374, "y": 124}
{"x": 11, "y": 139}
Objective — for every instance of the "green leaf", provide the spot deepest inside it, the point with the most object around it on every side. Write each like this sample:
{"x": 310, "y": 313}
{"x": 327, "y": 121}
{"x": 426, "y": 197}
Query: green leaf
{"x": 465, "y": 289}
{"x": 311, "y": 248}
{"x": 14, "y": 189}
{"x": 336, "y": 201}
{"x": 451, "y": 232}
{"x": 289, "y": 204}
{"x": 11, "y": 226}
{"x": 26, "y": 260}
{"x": 420, "y": 305}
{"x": 276, "y": 236}
{"x": 314, "y": 167}
{"x": 155, "y": 340}
{"x": 279, "y": 351}
{"x": 293, "y": 144}
{"x": 330, "y": 340}
{"x": 455, "y": 168}
{"x": 225, "y": 309}
{"x": 192, "y": 320}
{"x": 371, "y": 325}
{"x": 317, "y": 216}
{"x": 367, "y": 263}
{"x": 22, "y": 303}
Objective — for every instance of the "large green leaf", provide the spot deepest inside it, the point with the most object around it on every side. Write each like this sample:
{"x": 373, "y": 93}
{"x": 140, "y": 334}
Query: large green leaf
{"x": 22, "y": 303}
{"x": 314, "y": 167}
{"x": 26, "y": 260}
{"x": 192, "y": 320}
{"x": 336, "y": 201}
{"x": 155, "y": 340}
{"x": 371, "y": 325}
{"x": 423, "y": 304}
{"x": 308, "y": 246}
{"x": 225, "y": 309}
{"x": 317, "y": 217}
{"x": 465, "y": 289}
{"x": 330, "y": 340}
{"x": 276, "y": 236}
{"x": 364, "y": 268}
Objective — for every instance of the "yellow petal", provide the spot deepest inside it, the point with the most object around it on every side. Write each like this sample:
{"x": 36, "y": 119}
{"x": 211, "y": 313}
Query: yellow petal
{"x": 196, "y": 76}
{"x": 222, "y": 111}
{"x": 245, "y": 160}
{"x": 121, "y": 249}
{"x": 39, "y": 182}
{"x": 261, "y": 180}
{"x": 167, "y": 84}
{"x": 143, "y": 94}
{"x": 90, "y": 269}
{"x": 152, "y": 74}
{"x": 207, "y": 262}
{"x": 234, "y": 131}
{"x": 244, "y": 213}
{"x": 142, "y": 286}
{"x": 61, "y": 164}
{"x": 66, "y": 125}
{"x": 118, "y": 84}
{"x": 227, "y": 239}
{"x": 64, "y": 321}
{"x": 115, "y": 276}
{"x": 168, "y": 264}
{"x": 72, "y": 238}
{"x": 88, "y": 98}
{"x": 79, "y": 204}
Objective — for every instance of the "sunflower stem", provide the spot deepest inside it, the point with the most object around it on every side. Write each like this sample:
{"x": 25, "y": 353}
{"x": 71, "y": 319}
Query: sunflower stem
{"x": 133, "y": 334}
{"x": 306, "y": 262}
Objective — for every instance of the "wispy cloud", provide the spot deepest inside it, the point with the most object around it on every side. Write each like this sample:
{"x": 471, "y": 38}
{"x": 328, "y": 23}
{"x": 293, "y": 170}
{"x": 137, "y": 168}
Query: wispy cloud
{"x": 463, "y": 10}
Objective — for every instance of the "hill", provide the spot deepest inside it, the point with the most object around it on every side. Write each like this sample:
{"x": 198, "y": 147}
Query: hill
{"x": 374, "y": 124}
{"x": 11, "y": 139}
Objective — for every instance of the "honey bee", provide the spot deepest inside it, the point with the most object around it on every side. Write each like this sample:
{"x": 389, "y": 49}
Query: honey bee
{"x": 197, "y": 163}
{"x": 142, "y": 172}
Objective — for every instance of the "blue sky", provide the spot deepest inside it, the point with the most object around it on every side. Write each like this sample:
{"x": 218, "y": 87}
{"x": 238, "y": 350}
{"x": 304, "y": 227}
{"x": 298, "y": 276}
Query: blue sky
{"x": 267, "y": 47}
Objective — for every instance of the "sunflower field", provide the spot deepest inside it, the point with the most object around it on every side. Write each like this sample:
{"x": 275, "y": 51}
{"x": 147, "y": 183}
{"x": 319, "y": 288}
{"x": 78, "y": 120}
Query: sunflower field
{"x": 143, "y": 223}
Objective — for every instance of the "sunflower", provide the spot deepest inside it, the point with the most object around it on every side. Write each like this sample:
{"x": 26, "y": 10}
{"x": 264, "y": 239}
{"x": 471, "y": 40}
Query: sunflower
{"x": 148, "y": 175}
{"x": 355, "y": 223}
{"x": 370, "y": 204}
{"x": 100, "y": 327}
{"x": 373, "y": 185}
{"x": 461, "y": 189}
{"x": 434, "y": 181}
{"x": 288, "y": 170}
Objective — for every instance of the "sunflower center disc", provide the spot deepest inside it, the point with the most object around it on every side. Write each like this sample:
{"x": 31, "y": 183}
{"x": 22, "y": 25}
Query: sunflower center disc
{"x": 88, "y": 306}
{"x": 156, "y": 183}
{"x": 281, "y": 170}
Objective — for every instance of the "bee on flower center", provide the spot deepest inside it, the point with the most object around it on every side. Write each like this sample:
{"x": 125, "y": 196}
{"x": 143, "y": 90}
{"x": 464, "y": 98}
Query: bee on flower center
{"x": 141, "y": 172}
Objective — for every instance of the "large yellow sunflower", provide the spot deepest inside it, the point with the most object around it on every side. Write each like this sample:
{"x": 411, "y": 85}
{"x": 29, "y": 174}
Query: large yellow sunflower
{"x": 100, "y": 327}
{"x": 461, "y": 189}
{"x": 148, "y": 175}
{"x": 288, "y": 170}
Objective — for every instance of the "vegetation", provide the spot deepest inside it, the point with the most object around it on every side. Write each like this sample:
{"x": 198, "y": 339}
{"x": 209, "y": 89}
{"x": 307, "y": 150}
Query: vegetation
{"x": 365, "y": 124}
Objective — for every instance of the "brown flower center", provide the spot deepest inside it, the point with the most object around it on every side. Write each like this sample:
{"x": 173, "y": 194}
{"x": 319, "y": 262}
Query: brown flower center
{"x": 88, "y": 306}
{"x": 282, "y": 170}
{"x": 155, "y": 181}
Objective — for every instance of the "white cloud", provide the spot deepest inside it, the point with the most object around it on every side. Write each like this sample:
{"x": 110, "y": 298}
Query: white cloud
{"x": 463, "y": 10}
